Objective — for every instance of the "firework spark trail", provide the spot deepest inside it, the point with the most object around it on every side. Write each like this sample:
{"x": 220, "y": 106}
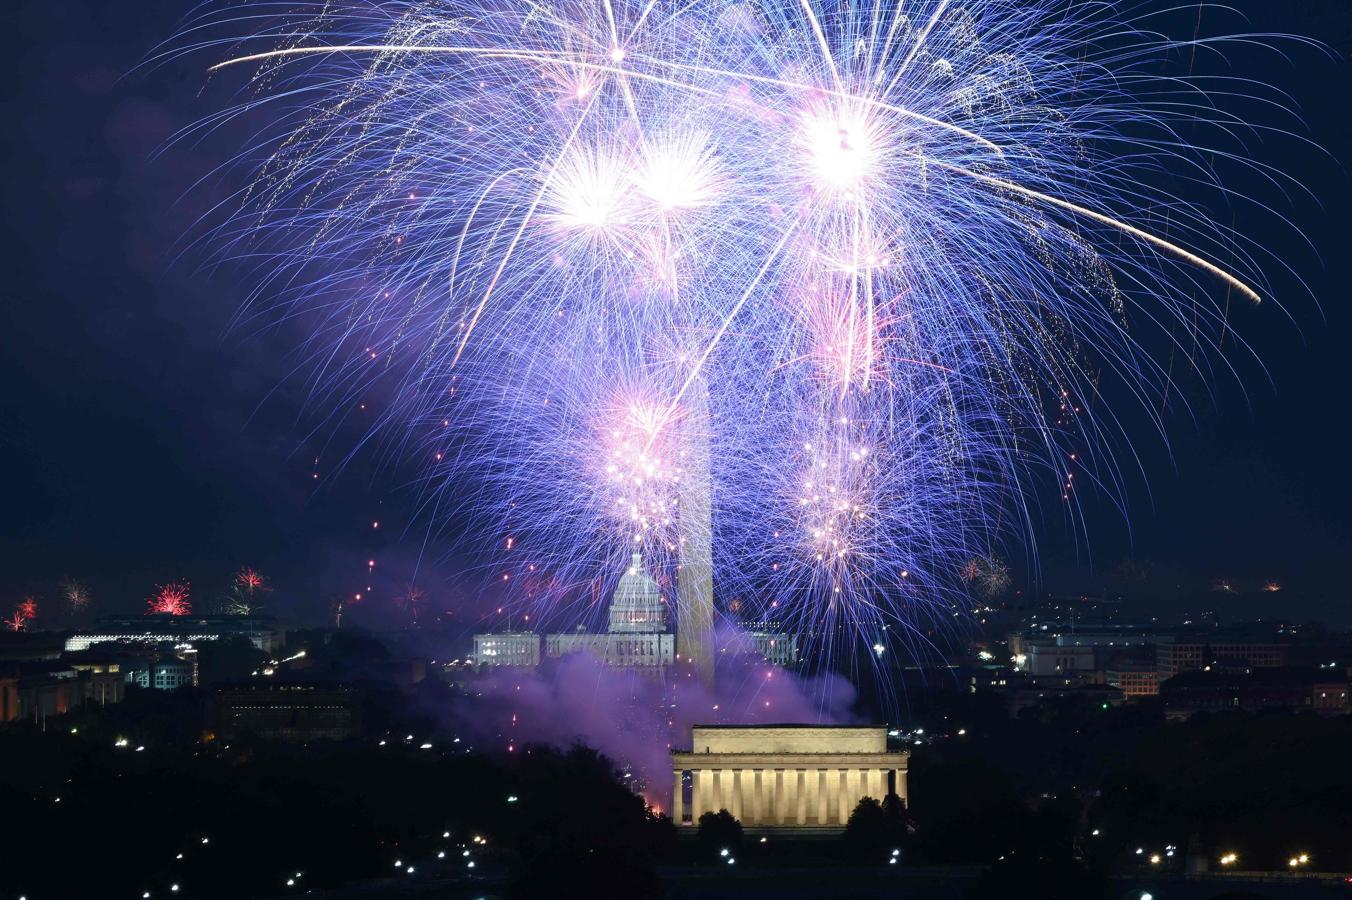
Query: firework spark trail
{"x": 890, "y": 243}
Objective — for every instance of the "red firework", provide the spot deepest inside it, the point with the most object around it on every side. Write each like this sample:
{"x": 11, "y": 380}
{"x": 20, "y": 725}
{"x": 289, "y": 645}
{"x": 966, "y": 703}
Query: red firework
{"x": 250, "y": 580}
{"x": 411, "y": 601}
{"x": 169, "y": 599}
{"x": 25, "y": 612}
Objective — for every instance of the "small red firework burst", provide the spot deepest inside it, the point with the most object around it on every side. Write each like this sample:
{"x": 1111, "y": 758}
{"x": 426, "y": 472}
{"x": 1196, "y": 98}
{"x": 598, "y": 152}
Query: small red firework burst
{"x": 169, "y": 600}
{"x": 250, "y": 580}
{"x": 24, "y": 612}
{"x": 411, "y": 601}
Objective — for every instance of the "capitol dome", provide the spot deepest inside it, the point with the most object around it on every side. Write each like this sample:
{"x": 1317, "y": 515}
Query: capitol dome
{"x": 637, "y": 605}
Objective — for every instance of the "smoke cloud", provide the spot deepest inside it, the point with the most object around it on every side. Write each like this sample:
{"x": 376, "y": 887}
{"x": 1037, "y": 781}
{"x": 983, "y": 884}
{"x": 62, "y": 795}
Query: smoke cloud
{"x": 637, "y": 719}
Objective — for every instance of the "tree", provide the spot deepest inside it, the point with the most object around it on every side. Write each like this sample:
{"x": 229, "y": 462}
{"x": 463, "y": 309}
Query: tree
{"x": 575, "y": 822}
{"x": 876, "y": 829}
{"x": 719, "y": 831}
{"x": 965, "y": 812}
{"x": 899, "y": 823}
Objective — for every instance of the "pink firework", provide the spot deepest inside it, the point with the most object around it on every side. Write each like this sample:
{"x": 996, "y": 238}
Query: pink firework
{"x": 169, "y": 599}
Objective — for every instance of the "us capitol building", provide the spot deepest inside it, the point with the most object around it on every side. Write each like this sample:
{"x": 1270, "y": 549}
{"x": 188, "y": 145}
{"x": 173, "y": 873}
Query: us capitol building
{"x": 637, "y": 636}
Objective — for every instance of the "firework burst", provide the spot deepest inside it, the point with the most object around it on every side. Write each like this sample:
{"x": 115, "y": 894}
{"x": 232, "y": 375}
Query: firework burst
{"x": 170, "y": 600}
{"x": 861, "y": 251}
{"x": 411, "y": 600}
{"x": 76, "y": 594}
{"x": 244, "y": 597}
{"x": 251, "y": 581}
{"x": 25, "y": 611}
{"x": 988, "y": 577}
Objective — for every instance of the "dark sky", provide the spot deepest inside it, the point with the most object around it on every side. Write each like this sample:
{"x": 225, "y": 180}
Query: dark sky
{"x": 142, "y": 440}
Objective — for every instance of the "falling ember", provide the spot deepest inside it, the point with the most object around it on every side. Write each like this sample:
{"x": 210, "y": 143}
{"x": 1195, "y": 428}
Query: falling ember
{"x": 170, "y": 600}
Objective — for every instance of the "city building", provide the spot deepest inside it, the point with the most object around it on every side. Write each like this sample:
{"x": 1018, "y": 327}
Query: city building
{"x": 51, "y": 688}
{"x": 170, "y": 673}
{"x": 1050, "y": 657}
{"x": 508, "y": 648}
{"x": 288, "y": 712}
{"x": 30, "y": 646}
{"x": 261, "y": 631}
{"x": 766, "y": 638}
{"x": 107, "y": 683}
{"x": 1256, "y": 690}
{"x": 625, "y": 651}
{"x": 784, "y": 776}
{"x": 1186, "y": 653}
{"x": 1134, "y": 678}
{"x": 164, "y": 667}
{"x": 1042, "y": 692}
{"x": 9, "y": 698}
{"x": 777, "y": 647}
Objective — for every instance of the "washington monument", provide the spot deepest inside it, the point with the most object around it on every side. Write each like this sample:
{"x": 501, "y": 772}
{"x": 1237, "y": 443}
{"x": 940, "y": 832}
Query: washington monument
{"x": 695, "y": 580}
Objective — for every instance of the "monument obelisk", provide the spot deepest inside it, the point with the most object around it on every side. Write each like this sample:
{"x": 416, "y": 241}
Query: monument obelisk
{"x": 695, "y": 580}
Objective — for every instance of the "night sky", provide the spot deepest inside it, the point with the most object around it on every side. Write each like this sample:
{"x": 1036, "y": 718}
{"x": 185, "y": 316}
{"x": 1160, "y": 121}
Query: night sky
{"x": 143, "y": 439}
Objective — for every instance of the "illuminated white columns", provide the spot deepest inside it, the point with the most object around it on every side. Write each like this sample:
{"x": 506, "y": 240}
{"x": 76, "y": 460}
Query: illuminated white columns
{"x": 738, "y": 785}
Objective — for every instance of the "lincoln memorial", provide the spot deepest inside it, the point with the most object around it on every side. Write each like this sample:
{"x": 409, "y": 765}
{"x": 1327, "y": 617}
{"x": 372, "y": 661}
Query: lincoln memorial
{"x": 785, "y": 776}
